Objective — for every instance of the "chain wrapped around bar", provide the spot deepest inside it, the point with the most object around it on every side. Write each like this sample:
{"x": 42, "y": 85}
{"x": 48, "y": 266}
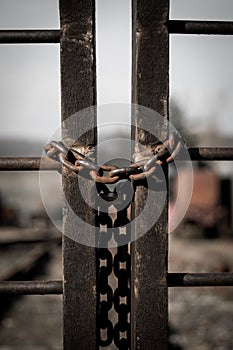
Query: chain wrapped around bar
{"x": 113, "y": 265}
{"x": 162, "y": 152}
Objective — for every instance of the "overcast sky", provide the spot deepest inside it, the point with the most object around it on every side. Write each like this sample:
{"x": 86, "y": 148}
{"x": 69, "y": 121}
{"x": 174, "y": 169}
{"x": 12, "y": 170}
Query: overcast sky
{"x": 200, "y": 66}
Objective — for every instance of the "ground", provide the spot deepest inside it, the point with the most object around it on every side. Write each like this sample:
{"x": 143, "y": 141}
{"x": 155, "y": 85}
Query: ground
{"x": 200, "y": 318}
{"x": 35, "y": 322}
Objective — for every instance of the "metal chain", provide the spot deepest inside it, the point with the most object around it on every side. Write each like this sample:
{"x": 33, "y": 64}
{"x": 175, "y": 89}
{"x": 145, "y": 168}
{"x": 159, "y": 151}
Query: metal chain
{"x": 113, "y": 269}
{"x": 113, "y": 266}
{"x": 122, "y": 271}
{"x": 103, "y": 271}
{"x": 86, "y": 167}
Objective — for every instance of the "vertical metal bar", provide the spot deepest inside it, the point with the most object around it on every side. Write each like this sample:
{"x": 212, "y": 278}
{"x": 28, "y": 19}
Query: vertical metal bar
{"x": 78, "y": 88}
{"x": 149, "y": 253}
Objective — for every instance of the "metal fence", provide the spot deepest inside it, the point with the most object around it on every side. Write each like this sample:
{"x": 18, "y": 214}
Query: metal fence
{"x": 148, "y": 310}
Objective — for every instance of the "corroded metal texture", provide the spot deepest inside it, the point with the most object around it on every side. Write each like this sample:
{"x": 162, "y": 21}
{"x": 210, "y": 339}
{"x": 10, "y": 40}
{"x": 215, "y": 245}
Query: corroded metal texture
{"x": 78, "y": 90}
{"x": 31, "y": 287}
{"x": 28, "y": 164}
{"x": 173, "y": 280}
{"x": 211, "y": 153}
{"x": 150, "y": 89}
{"x": 36, "y": 163}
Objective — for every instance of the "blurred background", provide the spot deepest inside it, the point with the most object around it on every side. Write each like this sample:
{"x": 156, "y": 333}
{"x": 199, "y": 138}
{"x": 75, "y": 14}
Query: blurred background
{"x": 201, "y": 104}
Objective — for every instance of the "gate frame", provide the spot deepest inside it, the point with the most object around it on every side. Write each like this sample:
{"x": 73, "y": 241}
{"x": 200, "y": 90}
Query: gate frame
{"x": 150, "y": 88}
{"x": 78, "y": 87}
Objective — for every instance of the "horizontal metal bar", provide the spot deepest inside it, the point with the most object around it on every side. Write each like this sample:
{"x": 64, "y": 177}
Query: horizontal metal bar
{"x": 31, "y": 287}
{"x": 28, "y": 164}
{"x": 29, "y": 36}
{"x": 200, "y": 27}
{"x": 200, "y": 279}
{"x": 56, "y": 240}
{"x": 37, "y": 163}
{"x": 173, "y": 280}
{"x": 211, "y": 153}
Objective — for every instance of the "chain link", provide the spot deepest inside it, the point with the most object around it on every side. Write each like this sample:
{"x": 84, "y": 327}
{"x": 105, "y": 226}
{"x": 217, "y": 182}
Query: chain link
{"x": 84, "y": 166}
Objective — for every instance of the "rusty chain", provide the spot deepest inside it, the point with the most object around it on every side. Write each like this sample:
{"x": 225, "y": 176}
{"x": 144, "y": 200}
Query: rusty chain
{"x": 84, "y": 166}
{"x": 114, "y": 265}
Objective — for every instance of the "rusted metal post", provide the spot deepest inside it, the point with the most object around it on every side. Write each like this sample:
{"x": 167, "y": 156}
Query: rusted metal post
{"x": 78, "y": 92}
{"x": 149, "y": 253}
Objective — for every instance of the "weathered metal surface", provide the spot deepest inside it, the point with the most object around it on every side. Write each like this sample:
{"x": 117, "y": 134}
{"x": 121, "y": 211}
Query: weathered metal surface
{"x": 30, "y": 287}
{"x": 33, "y": 164}
{"x": 211, "y": 153}
{"x": 200, "y": 279}
{"x": 200, "y": 27}
{"x": 29, "y": 36}
{"x": 28, "y": 164}
{"x": 173, "y": 280}
{"x": 78, "y": 90}
{"x": 76, "y": 161}
{"x": 150, "y": 89}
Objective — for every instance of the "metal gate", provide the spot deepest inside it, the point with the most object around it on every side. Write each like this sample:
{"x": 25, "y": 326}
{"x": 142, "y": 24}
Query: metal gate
{"x": 140, "y": 296}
